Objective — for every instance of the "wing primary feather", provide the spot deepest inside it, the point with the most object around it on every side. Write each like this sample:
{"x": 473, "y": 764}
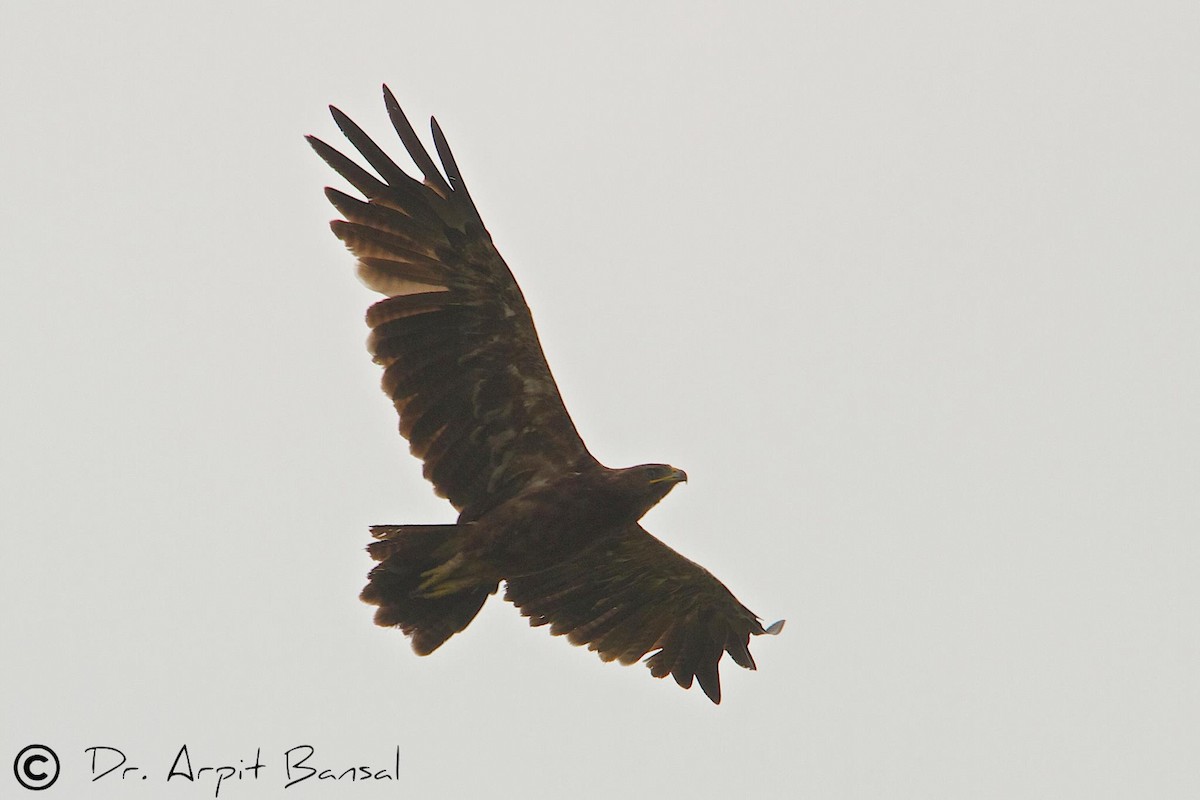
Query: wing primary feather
{"x": 415, "y": 224}
{"x": 405, "y": 204}
{"x": 443, "y": 150}
{"x": 366, "y": 241}
{"x": 416, "y": 150}
{"x": 383, "y": 164}
{"x": 668, "y": 644}
{"x": 707, "y": 670}
{"x": 358, "y": 177}
{"x": 688, "y": 658}
{"x": 629, "y": 640}
{"x": 737, "y": 645}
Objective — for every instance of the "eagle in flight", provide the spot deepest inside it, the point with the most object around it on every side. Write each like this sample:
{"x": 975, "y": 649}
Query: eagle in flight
{"x": 477, "y": 404}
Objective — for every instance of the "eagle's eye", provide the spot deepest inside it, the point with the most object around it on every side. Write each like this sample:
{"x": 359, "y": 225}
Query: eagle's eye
{"x": 659, "y": 473}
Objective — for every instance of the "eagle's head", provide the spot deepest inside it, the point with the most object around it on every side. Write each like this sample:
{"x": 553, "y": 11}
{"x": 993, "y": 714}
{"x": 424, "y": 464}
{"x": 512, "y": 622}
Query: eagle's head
{"x": 649, "y": 483}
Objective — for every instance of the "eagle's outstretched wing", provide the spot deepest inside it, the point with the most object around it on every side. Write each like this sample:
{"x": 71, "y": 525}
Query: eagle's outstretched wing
{"x": 462, "y": 360}
{"x": 633, "y": 594}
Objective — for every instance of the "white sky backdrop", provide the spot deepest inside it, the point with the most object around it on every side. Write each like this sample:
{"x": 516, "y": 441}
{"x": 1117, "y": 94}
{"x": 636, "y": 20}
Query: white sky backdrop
{"x": 910, "y": 290}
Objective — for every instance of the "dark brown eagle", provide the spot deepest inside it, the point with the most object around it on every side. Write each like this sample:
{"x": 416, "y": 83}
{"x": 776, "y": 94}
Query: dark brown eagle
{"x": 478, "y": 405}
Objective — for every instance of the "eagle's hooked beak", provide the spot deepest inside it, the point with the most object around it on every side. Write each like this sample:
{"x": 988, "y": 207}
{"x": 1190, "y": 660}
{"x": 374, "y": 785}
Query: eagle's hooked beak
{"x": 673, "y": 477}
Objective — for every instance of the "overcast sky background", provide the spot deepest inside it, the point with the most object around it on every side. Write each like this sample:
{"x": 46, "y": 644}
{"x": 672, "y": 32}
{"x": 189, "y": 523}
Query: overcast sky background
{"x": 910, "y": 290}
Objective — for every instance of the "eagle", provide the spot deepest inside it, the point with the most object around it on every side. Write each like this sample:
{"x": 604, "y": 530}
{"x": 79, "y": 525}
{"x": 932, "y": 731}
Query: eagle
{"x": 477, "y": 403}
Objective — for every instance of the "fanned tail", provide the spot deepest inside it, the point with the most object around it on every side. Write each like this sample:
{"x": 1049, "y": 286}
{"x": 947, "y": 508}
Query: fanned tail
{"x": 417, "y": 587}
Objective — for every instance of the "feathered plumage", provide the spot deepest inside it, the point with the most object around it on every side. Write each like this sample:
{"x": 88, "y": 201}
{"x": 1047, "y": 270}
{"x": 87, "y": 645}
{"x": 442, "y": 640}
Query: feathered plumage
{"x": 478, "y": 405}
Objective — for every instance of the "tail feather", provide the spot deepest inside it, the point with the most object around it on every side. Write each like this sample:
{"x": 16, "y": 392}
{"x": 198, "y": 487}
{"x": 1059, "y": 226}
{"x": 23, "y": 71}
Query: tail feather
{"x": 411, "y": 557}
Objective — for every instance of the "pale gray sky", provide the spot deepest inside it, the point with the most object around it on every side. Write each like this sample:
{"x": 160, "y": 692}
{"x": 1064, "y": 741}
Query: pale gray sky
{"x": 909, "y": 289}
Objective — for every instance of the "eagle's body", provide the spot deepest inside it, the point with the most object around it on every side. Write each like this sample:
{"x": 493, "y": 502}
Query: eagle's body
{"x": 537, "y": 530}
{"x": 478, "y": 405}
